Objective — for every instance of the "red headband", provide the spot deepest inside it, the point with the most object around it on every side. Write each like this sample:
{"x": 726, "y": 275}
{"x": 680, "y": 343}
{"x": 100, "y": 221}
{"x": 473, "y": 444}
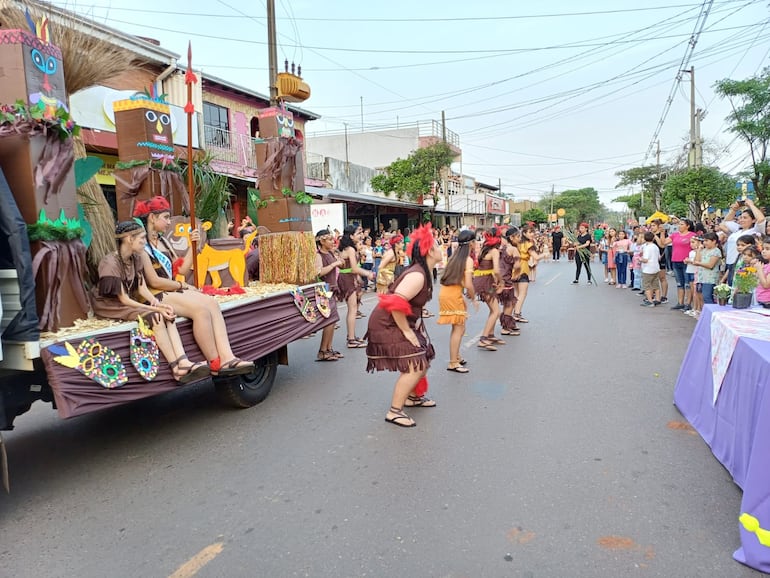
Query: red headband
{"x": 424, "y": 235}
{"x": 396, "y": 239}
{"x": 156, "y": 204}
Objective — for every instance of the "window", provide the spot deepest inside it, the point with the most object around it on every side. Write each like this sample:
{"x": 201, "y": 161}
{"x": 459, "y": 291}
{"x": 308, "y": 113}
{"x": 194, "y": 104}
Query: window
{"x": 216, "y": 125}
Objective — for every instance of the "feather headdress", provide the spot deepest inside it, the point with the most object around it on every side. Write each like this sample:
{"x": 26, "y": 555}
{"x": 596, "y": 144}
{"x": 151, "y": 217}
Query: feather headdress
{"x": 423, "y": 236}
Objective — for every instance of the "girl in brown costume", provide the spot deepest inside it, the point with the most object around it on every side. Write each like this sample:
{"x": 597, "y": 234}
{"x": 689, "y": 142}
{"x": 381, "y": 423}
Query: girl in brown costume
{"x": 326, "y": 265}
{"x": 122, "y": 294}
{"x": 347, "y": 282}
{"x": 161, "y": 265}
{"x": 510, "y": 268}
{"x": 458, "y": 275}
{"x": 392, "y": 258}
{"x": 397, "y": 337}
{"x": 487, "y": 283}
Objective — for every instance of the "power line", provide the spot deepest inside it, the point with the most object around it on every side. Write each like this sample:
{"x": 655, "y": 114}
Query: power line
{"x": 685, "y": 61}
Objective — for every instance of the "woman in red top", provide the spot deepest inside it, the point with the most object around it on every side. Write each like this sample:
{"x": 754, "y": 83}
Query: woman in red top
{"x": 680, "y": 244}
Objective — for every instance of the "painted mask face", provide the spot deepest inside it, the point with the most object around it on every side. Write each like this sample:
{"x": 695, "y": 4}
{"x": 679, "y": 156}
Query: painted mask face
{"x": 42, "y": 68}
{"x": 285, "y": 121}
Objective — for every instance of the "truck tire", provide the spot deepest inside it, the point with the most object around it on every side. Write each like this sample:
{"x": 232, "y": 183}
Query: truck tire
{"x": 248, "y": 390}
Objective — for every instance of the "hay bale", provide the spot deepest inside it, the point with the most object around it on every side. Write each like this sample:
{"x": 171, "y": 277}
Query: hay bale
{"x": 287, "y": 258}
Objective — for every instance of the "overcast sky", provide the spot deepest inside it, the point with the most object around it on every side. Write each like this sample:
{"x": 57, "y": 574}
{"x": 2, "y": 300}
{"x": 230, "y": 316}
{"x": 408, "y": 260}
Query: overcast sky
{"x": 554, "y": 93}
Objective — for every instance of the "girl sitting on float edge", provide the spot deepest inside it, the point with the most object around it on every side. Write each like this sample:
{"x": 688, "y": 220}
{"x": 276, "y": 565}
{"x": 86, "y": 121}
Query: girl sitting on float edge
{"x": 121, "y": 293}
{"x": 161, "y": 265}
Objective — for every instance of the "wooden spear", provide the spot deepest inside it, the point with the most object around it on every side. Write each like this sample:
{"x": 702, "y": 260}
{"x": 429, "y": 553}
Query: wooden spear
{"x": 189, "y": 80}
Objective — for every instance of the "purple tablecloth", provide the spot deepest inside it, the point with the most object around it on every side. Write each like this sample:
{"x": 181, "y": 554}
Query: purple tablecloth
{"x": 736, "y": 428}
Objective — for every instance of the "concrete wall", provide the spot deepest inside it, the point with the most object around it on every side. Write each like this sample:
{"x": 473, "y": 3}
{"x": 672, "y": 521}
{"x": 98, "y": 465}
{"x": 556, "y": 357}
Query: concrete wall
{"x": 337, "y": 174}
{"x": 369, "y": 149}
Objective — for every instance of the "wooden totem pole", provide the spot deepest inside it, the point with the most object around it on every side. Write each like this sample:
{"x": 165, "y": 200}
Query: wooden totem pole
{"x": 36, "y": 160}
{"x": 146, "y": 150}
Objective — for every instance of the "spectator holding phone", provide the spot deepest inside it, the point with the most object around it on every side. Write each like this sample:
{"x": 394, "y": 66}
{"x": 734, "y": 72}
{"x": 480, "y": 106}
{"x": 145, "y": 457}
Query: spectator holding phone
{"x": 744, "y": 218}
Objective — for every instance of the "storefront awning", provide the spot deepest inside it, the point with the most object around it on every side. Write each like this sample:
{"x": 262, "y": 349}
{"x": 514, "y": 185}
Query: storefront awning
{"x": 347, "y": 196}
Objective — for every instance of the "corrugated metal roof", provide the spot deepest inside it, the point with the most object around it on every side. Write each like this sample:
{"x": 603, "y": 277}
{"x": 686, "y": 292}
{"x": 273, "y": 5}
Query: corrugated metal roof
{"x": 362, "y": 198}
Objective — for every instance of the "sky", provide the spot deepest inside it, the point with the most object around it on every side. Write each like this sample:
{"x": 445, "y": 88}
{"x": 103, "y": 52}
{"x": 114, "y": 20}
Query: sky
{"x": 553, "y": 95}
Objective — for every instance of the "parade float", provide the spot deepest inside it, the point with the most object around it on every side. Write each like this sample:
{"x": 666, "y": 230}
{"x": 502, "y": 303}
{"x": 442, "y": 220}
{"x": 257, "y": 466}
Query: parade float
{"x": 53, "y": 349}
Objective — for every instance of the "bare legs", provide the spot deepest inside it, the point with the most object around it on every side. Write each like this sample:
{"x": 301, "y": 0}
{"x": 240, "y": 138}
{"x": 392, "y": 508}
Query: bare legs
{"x": 494, "y": 315}
{"x": 455, "y": 339}
{"x": 350, "y": 318}
{"x": 521, "y": 295}
{"x": 405, "y": 384}
{"x": 208, "y": 324}
{"x": 170, "y": 345}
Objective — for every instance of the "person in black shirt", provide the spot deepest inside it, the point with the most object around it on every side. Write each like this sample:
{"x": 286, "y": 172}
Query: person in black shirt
{"x": 556, "y": 239}
{"x": 582, "y": 255}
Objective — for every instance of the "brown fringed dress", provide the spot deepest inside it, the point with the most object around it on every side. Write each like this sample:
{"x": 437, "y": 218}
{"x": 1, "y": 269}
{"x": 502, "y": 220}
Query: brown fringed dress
{"x": 484, "y": 280}
{"x": 331, "y": 277}
{"x": 114, "y": 273}
{"x": 387, "y": 348}
{"x": 346, "y": 282}
{"x": 507, "y": 265}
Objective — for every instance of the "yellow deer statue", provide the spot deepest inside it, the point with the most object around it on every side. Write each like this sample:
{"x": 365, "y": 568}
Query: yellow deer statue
{"x": 212, "y": 260}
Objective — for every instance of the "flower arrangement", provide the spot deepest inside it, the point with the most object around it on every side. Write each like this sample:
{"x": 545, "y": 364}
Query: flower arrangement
{"x": 723, "y": 291}
{"x": 745, "y": 279}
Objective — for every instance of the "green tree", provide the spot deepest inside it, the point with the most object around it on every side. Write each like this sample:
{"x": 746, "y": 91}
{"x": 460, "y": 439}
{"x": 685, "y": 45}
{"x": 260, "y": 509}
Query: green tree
{"x": 637, "y": 203}
{"x": 750, "y": 120}
{"x": 535, "y": 215}
{"x": 650, "y": 178}
{"x": 579, "y": 205}
{"x": 414, "y": 176}
{"x": 691, "y": 192}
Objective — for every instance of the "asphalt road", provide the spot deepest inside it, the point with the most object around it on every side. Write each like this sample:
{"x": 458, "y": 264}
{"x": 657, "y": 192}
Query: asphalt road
{"x": 560, "y": 455}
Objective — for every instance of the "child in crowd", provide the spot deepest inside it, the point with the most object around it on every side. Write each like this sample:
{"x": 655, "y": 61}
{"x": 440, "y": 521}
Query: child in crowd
{"x": 636, "y": 262}
{"x": 650, "y": 268}
{"x": 707, "y": 260}
{"x": 762, "y": 265}
{"x": 689, "y": 274}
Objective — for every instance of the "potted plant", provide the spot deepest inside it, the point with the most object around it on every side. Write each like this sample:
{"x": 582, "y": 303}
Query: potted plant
{"x": 722, "y": 293}
{"x": 744, "y": 282}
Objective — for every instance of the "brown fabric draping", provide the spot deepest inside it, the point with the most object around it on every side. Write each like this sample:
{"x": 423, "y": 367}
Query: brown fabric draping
{"x": 280, "y": 153}
{"x": 171, "y": 183}
{"x": 56, "y": 160}
{"x": 256, "y": 329}
{"x": 63, "y": 263}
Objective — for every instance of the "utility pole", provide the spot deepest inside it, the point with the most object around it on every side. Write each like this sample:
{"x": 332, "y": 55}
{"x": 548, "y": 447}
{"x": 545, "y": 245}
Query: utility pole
{"x": 362, "y": 114}
{"x": 272, "y": 53}
{"x": 551, "y": 213}
{"x": 445, "y": 170}
{"x": 691, "y": 153}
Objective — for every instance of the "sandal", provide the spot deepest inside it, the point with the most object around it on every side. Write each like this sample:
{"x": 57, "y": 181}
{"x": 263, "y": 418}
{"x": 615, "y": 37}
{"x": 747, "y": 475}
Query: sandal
{"x": 458, "y": 369}
{"x": 496, "y": 340}
{"x": 510, "y": 332}
{"x": 485, "y": 343}
{"x": 360, "y": 315}
{"x": 356, "y": 343}
{"x": 401, "y": 419}
{"x": 427, "y": 314}
{"x": 463, "y": 361}
{"x": 421, "y": 401}
{"x": 326, "y": 356}
{"x": 198, "y": 370}
{"x": 520, "y": 319}
{"x": 336, "y": 354}
{"x": 232, "y": 367}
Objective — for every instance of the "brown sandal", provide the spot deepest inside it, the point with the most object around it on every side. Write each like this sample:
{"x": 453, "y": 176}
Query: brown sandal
{"x": 196, "y": 371}
{"x": 485, "y": 343}
{"x": 232, "y": 368}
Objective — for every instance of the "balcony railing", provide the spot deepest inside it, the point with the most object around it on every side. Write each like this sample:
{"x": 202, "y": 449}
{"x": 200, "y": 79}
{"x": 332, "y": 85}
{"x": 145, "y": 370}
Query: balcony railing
{"x": 230, "y": 147}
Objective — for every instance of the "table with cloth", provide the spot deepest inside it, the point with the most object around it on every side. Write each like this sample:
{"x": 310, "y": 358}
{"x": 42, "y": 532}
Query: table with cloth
{"x": 723, "y": 390}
